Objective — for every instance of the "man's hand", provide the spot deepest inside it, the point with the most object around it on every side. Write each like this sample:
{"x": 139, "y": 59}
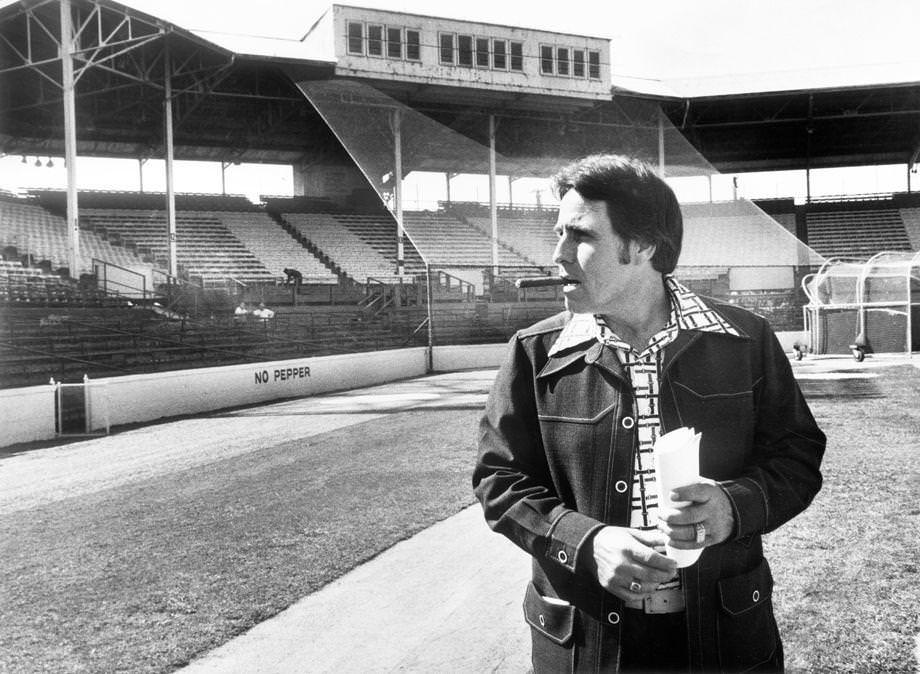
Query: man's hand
{"x": 709, "y": 506}
{"x": 626, "y": 557}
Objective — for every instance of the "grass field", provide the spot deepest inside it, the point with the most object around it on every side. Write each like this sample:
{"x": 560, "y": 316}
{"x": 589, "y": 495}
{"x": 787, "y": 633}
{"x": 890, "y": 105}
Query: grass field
{"x": 847, "y": 591}
{"x": 143, "y": 577}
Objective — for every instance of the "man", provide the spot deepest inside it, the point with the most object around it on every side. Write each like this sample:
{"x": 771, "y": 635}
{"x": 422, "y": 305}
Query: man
{"x": 241, "y": 312}
{"x": 263, "y": 312}
{"x": 565, "y": 465}
{"x": 293, "y": 277}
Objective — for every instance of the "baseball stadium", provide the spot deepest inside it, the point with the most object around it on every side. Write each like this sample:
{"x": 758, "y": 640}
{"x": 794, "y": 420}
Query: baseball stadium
{"x": 238, "y": 428}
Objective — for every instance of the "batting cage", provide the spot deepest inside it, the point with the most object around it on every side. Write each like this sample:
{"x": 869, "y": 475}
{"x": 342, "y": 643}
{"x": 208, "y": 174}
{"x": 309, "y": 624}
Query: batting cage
{"x": 864, "y": 306}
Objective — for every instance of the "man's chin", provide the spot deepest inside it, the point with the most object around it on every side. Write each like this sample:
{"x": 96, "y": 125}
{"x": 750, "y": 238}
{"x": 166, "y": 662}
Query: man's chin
{"x": 574, "y": 305}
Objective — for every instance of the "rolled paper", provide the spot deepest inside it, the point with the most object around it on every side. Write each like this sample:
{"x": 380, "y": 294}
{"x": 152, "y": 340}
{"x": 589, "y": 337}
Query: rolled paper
{"x": 540, "y": 281}
{"x": 677, "y": 464}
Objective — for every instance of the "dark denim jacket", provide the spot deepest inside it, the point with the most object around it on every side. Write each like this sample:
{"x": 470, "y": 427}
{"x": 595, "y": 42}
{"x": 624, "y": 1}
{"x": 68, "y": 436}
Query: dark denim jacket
{"x": 555, "y": 464}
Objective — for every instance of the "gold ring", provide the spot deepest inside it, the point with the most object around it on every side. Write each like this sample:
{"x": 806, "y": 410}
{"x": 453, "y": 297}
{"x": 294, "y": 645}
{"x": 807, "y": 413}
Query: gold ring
{"x": 635, "y": 587}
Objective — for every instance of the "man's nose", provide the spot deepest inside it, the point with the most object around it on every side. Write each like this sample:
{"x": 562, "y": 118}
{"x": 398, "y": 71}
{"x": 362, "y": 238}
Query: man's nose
{"x": 563, "y": 250}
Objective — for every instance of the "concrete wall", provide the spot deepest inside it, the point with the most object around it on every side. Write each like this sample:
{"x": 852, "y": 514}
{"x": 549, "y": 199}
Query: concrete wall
{"x": 26, "y": 414}
{"x": 452, "y": 358}
{"x": 165, "y": 394}
{"x": 761, "y": 278}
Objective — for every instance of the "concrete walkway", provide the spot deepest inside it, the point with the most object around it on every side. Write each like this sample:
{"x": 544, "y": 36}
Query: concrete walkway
{"x": 446, "y": 600}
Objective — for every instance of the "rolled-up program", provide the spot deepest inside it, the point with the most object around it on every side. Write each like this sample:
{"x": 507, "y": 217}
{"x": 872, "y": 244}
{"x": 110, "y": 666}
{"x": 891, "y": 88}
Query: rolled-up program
{"x": 677, "y": 464}
{"x": 540, "y": 281}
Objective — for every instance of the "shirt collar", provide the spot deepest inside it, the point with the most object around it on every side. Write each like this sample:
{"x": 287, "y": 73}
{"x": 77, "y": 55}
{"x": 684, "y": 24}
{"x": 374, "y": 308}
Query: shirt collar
{"x": 688, "y": 310}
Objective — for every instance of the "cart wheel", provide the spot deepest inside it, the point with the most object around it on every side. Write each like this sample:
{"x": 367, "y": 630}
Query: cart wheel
{"x": 858, "y": 354}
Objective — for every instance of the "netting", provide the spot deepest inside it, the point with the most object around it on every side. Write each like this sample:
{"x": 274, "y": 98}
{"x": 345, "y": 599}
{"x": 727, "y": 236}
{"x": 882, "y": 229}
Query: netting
{"x": 422, "y": 166}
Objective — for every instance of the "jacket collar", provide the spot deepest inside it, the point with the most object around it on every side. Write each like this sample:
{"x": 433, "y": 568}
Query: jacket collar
{"x": 687, "y": 308}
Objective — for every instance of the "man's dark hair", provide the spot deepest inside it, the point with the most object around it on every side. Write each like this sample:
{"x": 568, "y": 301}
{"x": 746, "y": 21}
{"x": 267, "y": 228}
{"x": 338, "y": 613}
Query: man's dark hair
{"x": 641, "y": 206}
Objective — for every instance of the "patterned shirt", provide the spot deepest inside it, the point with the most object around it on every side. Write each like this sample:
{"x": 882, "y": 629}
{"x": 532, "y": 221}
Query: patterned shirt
{"x": 688, "y": 312}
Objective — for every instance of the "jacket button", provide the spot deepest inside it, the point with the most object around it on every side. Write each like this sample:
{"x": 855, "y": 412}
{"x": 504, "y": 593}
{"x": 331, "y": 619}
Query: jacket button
{"x": 613, "y": 617}
{"x": 628, "y": 422}
{"x": 562, "y": 557}
{"x": 621, "y": 486}
{"x": 756, "y": 596}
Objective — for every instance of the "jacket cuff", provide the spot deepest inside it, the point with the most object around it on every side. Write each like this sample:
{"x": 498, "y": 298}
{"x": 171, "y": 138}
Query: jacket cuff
{"x": 749, "y": 506}
{"x": 568, "y": 536}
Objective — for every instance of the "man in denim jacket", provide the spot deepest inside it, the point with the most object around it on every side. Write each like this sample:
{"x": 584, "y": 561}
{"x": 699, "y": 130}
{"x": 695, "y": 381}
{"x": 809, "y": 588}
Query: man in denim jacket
{"x": 565, "y": 468}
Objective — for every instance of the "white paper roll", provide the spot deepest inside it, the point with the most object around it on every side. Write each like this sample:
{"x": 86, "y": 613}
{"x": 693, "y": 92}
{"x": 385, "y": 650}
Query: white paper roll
{"x": 677, "y": 464}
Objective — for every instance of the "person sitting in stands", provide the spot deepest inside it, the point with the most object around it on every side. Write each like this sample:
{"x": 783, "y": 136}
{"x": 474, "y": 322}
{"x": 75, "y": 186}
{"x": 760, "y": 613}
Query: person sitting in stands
{"x": 240, "y": 313}
{"x": 263, "y": 312}
{"x": 293, "y": 276}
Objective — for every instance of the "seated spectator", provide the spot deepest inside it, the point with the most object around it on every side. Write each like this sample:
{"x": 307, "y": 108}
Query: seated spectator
{"x": 240, "y": 313}
{"x": 293, "y": 276}
{"x": 263, "y": 312}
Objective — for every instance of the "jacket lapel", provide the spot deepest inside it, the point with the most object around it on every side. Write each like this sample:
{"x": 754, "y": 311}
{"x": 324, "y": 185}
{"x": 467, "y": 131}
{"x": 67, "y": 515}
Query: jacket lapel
{"x": 593, "y": 352}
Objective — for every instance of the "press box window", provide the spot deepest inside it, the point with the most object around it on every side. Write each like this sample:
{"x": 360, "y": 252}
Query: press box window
{"x": 413, "y": 45}
{"x": 499, "y": 54}
{"x": 578, "y": 63}
{"x": 447, "y": 47}
{"x": 375, "y": 40}
{"x": 546, "y": 60}
{"x": 394, "y": 43}
{"x": 594, "y": 65}
{"x": 355, "y": 38}
{"x": 562, "y": 61}
{"x": 517, "y": 56}
{"x": 465, "y": 50}
{"x": 482, "y": 52}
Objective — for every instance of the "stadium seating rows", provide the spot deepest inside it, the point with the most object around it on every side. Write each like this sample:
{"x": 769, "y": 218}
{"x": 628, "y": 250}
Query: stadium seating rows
{"x": 857, "y": 233}
{"x": 230, "y": 237}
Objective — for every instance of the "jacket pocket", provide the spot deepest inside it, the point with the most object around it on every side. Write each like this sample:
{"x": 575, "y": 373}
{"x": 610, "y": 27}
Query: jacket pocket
{"x": 552, "y": 630}
{"x": 747, "y": 632}
{"x": 726, "y": 420}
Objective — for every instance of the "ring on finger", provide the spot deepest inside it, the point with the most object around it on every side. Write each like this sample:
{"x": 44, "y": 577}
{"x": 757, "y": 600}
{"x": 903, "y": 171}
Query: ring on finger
{"x": 635, "y": 587}
{"x": 700, "y": 532}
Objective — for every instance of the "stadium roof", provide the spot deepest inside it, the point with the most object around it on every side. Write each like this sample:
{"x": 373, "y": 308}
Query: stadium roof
{"x": 238, "y": 100}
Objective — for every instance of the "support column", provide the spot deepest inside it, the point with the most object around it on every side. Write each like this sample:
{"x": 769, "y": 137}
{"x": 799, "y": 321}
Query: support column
{"x": 493, "y": 204}
{"x": 398, "y": 193}
{"x": 170, "y": 188}
{"x": 70, "y": 139}
{"x": 809, "y": 131}
{"x": 661, "y": 171}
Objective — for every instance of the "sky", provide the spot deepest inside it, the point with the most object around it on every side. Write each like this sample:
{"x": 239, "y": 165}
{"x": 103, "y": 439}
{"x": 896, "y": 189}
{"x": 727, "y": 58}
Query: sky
{"x": 657, "y": 39}
{"x": 693, "y": 46}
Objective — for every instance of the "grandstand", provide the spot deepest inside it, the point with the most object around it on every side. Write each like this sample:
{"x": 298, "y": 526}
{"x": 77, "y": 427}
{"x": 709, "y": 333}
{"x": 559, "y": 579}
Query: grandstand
{"x": 856, "y": 233}
{"x": 361, "y": 246}
{"x": 41, "y": 235}
{"x": 342, "y": 108}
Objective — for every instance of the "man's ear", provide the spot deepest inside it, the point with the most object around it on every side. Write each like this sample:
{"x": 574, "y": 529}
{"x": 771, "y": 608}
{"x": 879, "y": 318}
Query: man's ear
{"x": 642, "y": 251}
